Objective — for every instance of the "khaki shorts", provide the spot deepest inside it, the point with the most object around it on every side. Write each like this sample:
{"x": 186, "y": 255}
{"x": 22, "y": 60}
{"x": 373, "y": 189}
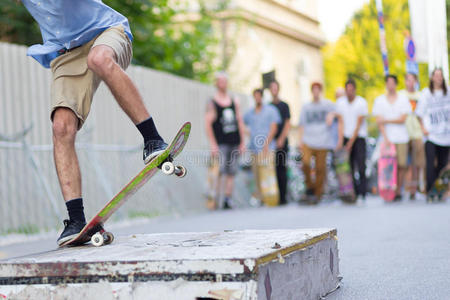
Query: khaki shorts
{"x": 73, "y": 84}
{"x": 402, "y": 155}
{"x": 417, "y": 149}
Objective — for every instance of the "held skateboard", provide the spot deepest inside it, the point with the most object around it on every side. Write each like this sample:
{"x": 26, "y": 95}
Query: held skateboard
{"x": 266, "y": 178}
{"x": 387, "y": 172}
{"x": 213, "y": 178}
{"x": 93, "y": 230}
{"x": 440, "y": 186}
{"x": 344, "y": 176}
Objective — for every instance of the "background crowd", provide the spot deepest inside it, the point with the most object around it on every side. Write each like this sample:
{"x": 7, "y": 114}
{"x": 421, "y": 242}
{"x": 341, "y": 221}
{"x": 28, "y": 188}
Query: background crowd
{"x": 415, "y": 122}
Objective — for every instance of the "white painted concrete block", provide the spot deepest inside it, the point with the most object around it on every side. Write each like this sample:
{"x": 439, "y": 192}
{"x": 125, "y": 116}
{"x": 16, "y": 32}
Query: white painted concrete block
{"x": 276, "y": 264}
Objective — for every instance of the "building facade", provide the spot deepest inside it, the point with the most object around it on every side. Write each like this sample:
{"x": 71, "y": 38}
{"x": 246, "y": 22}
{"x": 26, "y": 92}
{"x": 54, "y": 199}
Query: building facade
{"x": 261, "y": 36}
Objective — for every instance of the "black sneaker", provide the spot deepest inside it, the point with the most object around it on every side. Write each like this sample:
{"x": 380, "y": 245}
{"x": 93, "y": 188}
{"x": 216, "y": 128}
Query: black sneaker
{"x": 71, "y": 229}
{"x": 226, "y": 203}
{"x": 398, "y": 198}
{"x": 153, "y": 148}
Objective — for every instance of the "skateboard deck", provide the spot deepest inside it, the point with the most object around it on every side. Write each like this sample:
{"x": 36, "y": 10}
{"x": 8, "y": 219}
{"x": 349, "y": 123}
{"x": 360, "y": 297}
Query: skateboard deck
{"x": 440, "y": 186}
{"x": 344, "y": 176}
{"x": 266, "y": 178}
{"x": 96, "y": 223}
{"x": 213, "y": 178}
{"x": 387, "y": 172}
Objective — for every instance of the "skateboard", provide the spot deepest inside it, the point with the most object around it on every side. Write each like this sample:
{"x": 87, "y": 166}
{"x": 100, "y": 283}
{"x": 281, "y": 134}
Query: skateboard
{"x": 387, "y": 172}
{"x": 296, "y": 180}
{"x": 344, "y": 176}
{"x": 213, "y": 178}
{"x": 93, "y": 230}
{"x": 266, "y": 179}
{"x": 440, "y": 186}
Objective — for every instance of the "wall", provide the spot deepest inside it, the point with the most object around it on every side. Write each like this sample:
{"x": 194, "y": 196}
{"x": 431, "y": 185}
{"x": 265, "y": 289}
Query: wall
{"x": 109, "y": 146}
{"x": 266, "y": 35}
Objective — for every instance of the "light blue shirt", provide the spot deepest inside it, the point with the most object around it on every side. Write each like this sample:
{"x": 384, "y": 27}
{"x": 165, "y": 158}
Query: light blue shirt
{"x": 69, "y": 24}
{"x": 259, "y": 125}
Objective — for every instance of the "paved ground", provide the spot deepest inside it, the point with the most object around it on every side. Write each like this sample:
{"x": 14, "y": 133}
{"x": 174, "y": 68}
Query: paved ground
{"x": 387, "y": 251}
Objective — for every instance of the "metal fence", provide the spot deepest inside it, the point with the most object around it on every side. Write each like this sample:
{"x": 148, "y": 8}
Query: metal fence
{"x": 109, "y": 146}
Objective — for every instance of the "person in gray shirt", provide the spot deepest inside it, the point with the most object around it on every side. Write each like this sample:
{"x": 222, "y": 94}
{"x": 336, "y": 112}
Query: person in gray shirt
{"x": 316, "y": 140}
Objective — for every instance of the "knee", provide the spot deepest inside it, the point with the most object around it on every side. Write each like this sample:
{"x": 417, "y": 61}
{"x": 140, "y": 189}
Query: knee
{"x": 64, "y": 126}
{"x": 100, "y": 60}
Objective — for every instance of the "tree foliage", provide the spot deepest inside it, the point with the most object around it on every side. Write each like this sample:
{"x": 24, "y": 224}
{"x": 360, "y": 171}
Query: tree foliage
{"x": 167, "y": 35}
{"x": 356, "y": 53}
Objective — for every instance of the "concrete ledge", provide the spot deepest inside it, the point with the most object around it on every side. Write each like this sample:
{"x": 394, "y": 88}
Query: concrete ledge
{"x": 276, "y": 264}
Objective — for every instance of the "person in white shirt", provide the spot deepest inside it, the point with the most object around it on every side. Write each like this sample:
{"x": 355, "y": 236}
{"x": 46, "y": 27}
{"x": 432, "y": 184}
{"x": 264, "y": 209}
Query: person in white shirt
{"x": 353, "y": 110}
{"x": 433, "y": 110}
{"x": 416, "y": 148}
{"x": 391, "y": 111}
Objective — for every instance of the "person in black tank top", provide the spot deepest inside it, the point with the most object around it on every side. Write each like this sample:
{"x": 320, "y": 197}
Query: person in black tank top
{"x": 224, "y": 130}
{"x": 226, "y": 127}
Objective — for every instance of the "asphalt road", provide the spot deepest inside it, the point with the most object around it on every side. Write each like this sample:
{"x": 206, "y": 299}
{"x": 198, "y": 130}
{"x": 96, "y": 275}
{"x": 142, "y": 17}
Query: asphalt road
{"x": 387, "y": 251}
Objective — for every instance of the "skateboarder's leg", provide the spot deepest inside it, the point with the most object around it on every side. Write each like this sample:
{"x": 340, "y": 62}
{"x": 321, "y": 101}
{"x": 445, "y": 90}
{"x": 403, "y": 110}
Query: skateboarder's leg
{"x": 402, "y": 163}
{"x": 430, "y": 150}
{"x": 359, "y": 153}
{"x": 102, "y": 61}
{"x": 65, "y": 126}
{"x": 321, "y": 171}
{"x": 281, "y": 170}
{"x": 109, "y": 56}
{"x": 228, "y": 167}
{"x": 442, "y": 158}
{"x": 306, "y": 166}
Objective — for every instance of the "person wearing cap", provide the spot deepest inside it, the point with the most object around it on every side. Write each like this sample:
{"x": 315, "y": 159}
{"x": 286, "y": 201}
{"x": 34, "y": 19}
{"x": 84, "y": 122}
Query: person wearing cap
{"x": 315, "y": 139}
{"x": 225, "y": 132}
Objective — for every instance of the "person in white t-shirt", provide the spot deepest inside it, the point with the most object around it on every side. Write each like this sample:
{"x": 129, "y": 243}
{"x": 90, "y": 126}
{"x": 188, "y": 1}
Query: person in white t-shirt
{"x": 353, "y": 110}
{"x": 391, "y": 111}
{"x": 416, "y": 148}
{"x": 433, "y": 110}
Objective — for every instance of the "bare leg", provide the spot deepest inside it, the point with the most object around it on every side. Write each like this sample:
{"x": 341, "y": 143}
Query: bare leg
{"x": 102, "y": 61}
{"x": 218, "y": 187}
{"x": 400, "y": 179}
{"x": 65, "y": 126}
{"x": 229, "y": 185}
{"x": 414, "y": 179}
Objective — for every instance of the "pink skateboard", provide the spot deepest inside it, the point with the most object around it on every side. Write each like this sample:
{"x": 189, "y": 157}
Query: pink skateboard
{"x": 387, "y": 172}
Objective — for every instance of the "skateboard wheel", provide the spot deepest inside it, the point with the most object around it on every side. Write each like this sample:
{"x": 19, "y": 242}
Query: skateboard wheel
{"x": 97, "y": 240}
{"x": 168, "y": 168}
{"x": 108, "y": 237}
{"x": 180, "y": 171}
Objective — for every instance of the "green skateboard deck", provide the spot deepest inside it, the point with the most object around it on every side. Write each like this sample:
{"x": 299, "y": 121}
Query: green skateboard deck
{"x": 93, "y": 230}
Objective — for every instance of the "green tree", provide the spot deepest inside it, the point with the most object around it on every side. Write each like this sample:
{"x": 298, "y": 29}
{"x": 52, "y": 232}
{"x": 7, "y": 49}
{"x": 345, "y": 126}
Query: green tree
{"x": 356, "y": 53}
{"x": 166, "y": 37}
{"x": 17, "y": 25}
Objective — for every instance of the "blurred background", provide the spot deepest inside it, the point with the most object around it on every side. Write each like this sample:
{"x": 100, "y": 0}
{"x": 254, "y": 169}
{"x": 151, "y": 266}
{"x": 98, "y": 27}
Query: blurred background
{"x": 178, "y": 47}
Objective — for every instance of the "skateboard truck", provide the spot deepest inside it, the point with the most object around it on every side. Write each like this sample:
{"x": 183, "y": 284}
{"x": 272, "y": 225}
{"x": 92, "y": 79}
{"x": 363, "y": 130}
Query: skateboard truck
{"x": 102, "y": 238}
{"x": 168, "y": 168}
